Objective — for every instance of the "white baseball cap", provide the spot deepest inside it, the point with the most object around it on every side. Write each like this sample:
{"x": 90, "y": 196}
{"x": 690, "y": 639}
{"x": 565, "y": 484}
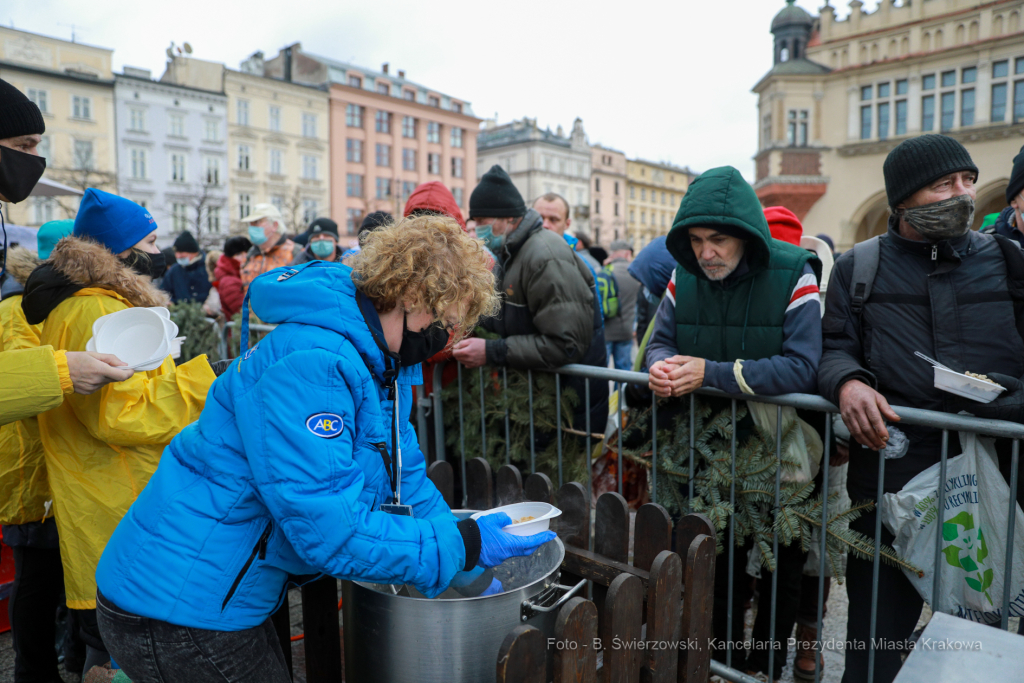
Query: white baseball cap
{"x": 264, "y": 211}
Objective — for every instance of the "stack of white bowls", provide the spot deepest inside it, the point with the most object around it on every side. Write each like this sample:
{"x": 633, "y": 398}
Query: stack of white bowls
{"x": 141, "y": 337}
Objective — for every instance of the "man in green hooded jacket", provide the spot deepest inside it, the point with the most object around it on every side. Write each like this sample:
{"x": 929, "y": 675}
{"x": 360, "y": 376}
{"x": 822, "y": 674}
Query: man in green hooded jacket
{"x": 741, "y": 314}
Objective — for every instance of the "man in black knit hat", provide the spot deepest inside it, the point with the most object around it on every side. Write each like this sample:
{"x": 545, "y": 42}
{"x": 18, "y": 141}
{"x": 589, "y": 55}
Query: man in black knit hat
{"x": 550, "y": 314}
{"x": 941, "y": 289}
{"x": 1011, "y": 219}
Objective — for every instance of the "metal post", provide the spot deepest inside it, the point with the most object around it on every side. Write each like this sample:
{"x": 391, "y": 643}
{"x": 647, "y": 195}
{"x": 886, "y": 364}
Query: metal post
{"x": 824, "y": 538}
{"x": 654, "y": 448}
{"x": 439, "y": 442}
{"x": 590, "y": 464}
{"x": 621, "y": 459}
{"x": 483, "y": 416}
{"x": 462, "y": 442}
{"x": 558, "y": 423}
{"x": 877, "y": 561}
{"x": 1010, "y": 534}
{"x": 533, "y": 452}
{"x": 775, "y": 542}
{"x": 421, "y": 421}
{"x": 732, "y": 541}
{"x": 508, "y": 437}
{"x": 693, "y": 450}
{"x": 939, "y": 500}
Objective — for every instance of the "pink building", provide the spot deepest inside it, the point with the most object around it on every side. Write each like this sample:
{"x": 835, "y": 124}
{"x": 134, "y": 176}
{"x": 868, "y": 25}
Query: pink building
{"x": 388, "y": 135}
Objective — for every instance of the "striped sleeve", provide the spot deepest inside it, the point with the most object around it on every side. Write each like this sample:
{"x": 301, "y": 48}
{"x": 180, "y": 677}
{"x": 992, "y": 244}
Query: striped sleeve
{"x": 670, "y": 291}
{"x": 805, "y": 291}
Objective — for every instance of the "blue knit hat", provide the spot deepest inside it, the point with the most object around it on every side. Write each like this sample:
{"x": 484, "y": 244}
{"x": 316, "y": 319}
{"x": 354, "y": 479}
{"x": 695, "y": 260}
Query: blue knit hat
{"x": 50, "y": 233}
{"x": 115, "y": 222}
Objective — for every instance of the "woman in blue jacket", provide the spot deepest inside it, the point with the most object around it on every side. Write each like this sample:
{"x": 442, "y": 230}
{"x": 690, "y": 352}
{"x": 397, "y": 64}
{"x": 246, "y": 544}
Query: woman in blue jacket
{"x": 302, "y": 463}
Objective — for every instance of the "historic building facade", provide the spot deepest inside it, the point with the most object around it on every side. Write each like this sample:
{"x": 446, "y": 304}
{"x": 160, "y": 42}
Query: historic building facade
{"x": 172, "y": 155}
{"x": 607, "y": 194}
{"x": 654, "y": 193}
{"x": 74, "y": 87}
{"x": 388, "y": 135}
{"x": 541, "y": 161}
{"x": 842, "y": 94}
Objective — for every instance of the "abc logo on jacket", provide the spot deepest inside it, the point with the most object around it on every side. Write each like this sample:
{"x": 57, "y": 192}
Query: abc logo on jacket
{"x": 325, "y": 425}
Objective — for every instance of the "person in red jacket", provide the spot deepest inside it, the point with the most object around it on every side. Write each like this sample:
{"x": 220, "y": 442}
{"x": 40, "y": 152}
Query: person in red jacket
{"x": 228, "y": 275}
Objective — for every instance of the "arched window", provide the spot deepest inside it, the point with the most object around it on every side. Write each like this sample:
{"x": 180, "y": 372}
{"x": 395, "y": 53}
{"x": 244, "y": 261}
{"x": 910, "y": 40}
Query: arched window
{"x": 938, "y": 39}
{"x": 972, "y": 32}
{"x": 863, "y": 54}
{"x": 892, "y": 49}
{"x": 997, "y": 26}
{"x": 926, "y": 42}
{"x": 844, "y": 59}
{"x": 874, "y": 52}
{"x": 834, "y": 62}
{"x": 784, "y": 52}
{"x": 1014, "y": 22}
{"x": 905, "y": 46}
{"x": 960, "y": 31}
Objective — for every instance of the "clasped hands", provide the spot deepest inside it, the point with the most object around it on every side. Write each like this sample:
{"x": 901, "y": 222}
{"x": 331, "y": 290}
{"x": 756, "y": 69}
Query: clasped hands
{"x": 676, "y": 376}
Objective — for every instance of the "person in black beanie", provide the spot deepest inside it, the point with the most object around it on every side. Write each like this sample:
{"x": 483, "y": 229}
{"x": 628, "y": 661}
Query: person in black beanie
{"x": 944, "y": 290}
{"x": 372, "y": 221}
{"x": 187, "y": 279}
{"x": 21, "y": 131}
{"x": 1011, "y": 219}
{"x": 321, "y": 243}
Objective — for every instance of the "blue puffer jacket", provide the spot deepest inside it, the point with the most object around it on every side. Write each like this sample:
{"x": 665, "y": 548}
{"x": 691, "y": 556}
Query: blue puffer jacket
{"x": 283, "y": 474}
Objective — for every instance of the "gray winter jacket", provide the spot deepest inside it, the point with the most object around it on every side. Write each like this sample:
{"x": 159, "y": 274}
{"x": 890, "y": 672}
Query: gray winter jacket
{"x": 620, "y": 328}
{"x": 954, "y": 301}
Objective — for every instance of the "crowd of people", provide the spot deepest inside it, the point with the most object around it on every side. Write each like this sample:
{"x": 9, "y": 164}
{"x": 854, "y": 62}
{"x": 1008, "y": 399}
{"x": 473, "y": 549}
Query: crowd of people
{"x": 175, "y": 506}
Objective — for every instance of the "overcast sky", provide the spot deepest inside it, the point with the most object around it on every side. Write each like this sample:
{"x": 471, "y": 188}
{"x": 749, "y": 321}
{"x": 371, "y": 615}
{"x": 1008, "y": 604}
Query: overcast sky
{"x": 665, "y": 81}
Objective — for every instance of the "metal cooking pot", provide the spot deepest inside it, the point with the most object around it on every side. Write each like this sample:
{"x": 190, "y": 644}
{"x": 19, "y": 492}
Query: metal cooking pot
{"x": 393, "y": 638}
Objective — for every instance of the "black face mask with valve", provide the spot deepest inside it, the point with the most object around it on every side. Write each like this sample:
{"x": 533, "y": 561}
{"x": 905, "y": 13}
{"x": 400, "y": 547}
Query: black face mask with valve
{"x": 19, "y": 173}
{"x": 419, "y": 346}
{"x": 151, "y": 265}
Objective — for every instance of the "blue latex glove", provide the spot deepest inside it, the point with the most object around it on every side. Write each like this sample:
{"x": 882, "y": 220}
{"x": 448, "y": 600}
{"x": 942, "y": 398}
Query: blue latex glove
{"x": 465, "y": 578}
{"x": 496, "y": 546}
{"x": 494, "y": 588}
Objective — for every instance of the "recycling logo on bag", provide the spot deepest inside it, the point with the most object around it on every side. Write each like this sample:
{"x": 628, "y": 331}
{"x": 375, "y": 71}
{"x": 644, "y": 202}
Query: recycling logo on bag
{"x": 967, "y": 550}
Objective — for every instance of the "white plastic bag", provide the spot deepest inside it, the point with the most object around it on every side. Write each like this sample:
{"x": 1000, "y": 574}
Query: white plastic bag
{"x": 975, "y": 500}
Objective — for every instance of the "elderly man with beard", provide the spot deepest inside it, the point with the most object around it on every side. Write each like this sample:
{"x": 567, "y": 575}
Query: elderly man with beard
{"x": 741, "y": 314}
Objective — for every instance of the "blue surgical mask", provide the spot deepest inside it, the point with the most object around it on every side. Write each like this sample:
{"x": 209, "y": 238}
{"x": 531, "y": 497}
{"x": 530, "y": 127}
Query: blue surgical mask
{"x": 322, "y": 248}
{"x": 257, "y": 235}
{"x": 485, "y": 233}
{"x": 183, "y": 261}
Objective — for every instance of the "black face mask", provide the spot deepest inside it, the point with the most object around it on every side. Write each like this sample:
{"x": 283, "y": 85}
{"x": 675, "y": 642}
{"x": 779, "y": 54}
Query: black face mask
{"x": 19, "y": 173}
{"x": 152, "y": 265}
{"x": 419, "y": 346}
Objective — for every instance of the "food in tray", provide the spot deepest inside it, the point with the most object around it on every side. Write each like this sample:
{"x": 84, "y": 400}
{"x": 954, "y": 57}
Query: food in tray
{"x": 983, "y": 378}
{"x": 523, "y": 519}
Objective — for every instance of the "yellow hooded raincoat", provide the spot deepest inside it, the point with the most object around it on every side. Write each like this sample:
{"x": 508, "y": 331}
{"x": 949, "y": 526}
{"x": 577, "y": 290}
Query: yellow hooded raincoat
{"x": 102, "y": 449}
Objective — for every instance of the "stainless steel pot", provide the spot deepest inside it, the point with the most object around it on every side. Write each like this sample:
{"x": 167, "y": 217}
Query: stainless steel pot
{"x": 399, "y": 639}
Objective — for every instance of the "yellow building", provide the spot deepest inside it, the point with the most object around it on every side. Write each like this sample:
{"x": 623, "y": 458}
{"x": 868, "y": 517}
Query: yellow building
{"x": 278, "y": 138}
{"x": 653, "y": 195}
{"x": 74, "y": 87}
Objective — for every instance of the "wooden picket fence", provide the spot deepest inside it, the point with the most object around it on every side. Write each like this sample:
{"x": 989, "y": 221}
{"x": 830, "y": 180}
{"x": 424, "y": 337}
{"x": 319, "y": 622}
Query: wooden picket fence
{"x": 649, "y": 620}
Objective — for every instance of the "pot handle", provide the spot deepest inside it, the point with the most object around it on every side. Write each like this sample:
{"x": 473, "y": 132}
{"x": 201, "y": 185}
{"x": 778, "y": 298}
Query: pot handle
{"x": 529, "y": 608}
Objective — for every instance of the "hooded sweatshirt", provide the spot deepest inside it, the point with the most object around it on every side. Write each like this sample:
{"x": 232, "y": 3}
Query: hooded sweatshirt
{"x": 434, "y": 196}
{"x": 721, "y": 197}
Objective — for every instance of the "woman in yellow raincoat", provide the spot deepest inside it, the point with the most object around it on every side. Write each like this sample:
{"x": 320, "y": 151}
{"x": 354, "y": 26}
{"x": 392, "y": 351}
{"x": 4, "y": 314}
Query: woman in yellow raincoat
{"x": 102, "y": 449}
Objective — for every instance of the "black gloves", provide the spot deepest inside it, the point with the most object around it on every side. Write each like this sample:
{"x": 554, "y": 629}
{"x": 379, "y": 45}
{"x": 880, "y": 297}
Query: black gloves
{"x": 1009, "y": 405}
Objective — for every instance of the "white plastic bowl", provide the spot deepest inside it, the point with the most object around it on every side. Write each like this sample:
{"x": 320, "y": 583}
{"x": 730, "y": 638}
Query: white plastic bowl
{"x": 542, "y": 514}
{"x": 967, "y": 386}
{"x": 138, "y": 336}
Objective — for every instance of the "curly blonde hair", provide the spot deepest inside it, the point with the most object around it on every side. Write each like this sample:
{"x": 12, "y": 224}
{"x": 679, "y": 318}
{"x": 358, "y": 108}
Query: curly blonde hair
{"x": 428, "y": 262}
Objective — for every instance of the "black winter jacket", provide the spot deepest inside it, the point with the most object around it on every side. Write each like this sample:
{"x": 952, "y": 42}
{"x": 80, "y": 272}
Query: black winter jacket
{"x": 950, "y": 300}
{"x": 188, "y": 283}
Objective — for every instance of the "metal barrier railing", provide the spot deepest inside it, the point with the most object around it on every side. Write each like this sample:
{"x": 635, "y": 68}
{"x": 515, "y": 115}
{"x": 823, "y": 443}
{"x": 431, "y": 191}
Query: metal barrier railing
{"x": 910, "y": 416}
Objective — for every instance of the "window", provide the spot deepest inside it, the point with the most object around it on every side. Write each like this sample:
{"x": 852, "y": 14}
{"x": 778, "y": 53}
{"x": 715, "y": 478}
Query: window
{"x": 901, "y": 87}
{"x": 244, "y": 160}
{"x": 139, "y": 164}
{"x": 433, "y": 131}
{"x": 632, "y": 216}
{"x": 865, "y": 93}
{"x": 1001, "y": 69}
{"x": 459, "y": 195}
{"x": 616, "y": 208}
{"x": 663, "y": 198}
{"x": 883, "y": 90}
{"x": 177, "y": 168}
{"x": 353, "y": 185}
{"x": 597, "y": 184}
{"x": 309, "y": 164}
{"x": 597, "y": 206}
{"x": 883, "y": 120}
{"x": 865, "y": 123}
{"x": 409, "y": 95}
{"x": 457, "y": 107}
{"x": 407, "y": 188}
{"x": 408, "y": 127}
{"x": 83, "y": 155}
{"x": 766, "y": 130}
{"x": 136, "y": 120}
{"x": 796, "y": 133}
{"x": 616, "y": 188}
{"x": 179, "y": 217}
{"x": 382, "y": 122}
{"x": 308, "y": 125}
{"x": 456, "y": 137}
{"x": 211, "y": 130}
{"x": 948, "y": 79}
{"x": 244, "y": 205}
{"x": 434, "y": 101}
{"x": 278, "y": 201}
{"x": 354, "y": 151}
{"x": 408, "y": 159}
{"x": 353, "y": 219}
{"x": 275, "y": 162}
{"x": 901, "y": 117}
{"x": 383, "y": 188}
{"x": 967, "y": 107}
{"x": 309, "y": 211}
{"x": 456, "y": 167}
{"x": 383, "y": 88}
{"x": 354, "y": 116}
{"x": 213, "y": 219}
{"x": 81, "y": 107}
{"x": 355, "y": 81}
{"x": 176, "y": 125}
{"x": 927, "y": 113}
{"x": 212, "y": 171}
{"x": 643, "y": 218}
{"x": 928, "y": 82}
{"x": 1018, "y": 100}
{"x": 41, "y": 99}
{"x": 1018, "y": 66}
{"x": 998, "y": 102}
{"x": 242, "y": 113}
{"x": 42, "y": 209}
{"x": 434, "y": 164}
{"x": 969, "y": 75}
{"x": 383, "y": 155}
{"x": 948, "y": 109}
{"x": 275, "y": 118}
{"x": 43, "y": 148}
{"x": 632, "y": 192}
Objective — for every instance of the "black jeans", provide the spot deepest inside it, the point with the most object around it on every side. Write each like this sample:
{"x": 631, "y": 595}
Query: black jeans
{"x": 37, "y": 593}
{"x": 154, "y": 651}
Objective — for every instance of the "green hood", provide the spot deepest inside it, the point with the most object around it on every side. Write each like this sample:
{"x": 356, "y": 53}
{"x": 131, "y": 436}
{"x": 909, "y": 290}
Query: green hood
{"x": 720, "y": 197}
